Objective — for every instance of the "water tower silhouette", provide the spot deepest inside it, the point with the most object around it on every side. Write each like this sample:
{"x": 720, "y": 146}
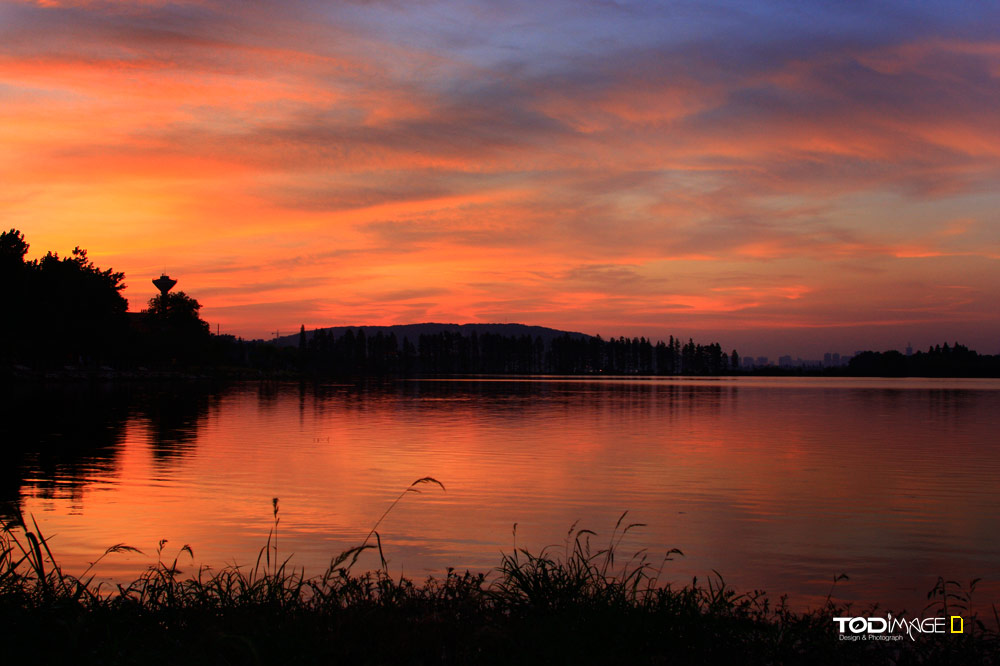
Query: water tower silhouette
{"x": 164, "y": 283}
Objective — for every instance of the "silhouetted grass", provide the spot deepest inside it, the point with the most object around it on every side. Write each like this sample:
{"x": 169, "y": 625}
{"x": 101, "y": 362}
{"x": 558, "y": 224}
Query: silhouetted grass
{"x": 575, "y": 604}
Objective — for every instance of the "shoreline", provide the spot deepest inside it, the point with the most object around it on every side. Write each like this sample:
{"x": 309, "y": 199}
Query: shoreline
{"x": 540, "y": 608}
{"x": 20, "y": 374}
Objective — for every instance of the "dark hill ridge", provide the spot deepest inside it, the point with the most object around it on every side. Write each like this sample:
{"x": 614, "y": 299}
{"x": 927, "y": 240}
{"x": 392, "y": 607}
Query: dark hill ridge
{"x": 414, "y": 331}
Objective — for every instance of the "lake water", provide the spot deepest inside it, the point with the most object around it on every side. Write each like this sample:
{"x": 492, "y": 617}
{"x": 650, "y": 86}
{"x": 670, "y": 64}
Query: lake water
{"x": 778, "y": 484}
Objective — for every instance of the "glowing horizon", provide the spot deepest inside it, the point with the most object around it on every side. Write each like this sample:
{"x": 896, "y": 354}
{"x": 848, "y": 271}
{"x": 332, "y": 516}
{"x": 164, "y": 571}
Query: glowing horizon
{"x": 777, "y": 177}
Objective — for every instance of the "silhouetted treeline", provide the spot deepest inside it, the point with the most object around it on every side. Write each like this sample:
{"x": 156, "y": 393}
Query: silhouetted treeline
{"x": 60, "y": 311}
{"x": 358, "y": 353}
{"x": 65, "y": 311}
{"x": 56, "y": 309}
{"x": 938, "y": 361}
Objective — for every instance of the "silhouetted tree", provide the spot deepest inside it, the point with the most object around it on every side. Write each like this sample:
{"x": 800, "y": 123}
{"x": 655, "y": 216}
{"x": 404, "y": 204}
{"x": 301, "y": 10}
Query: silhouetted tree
{"x": 178, "y": 333}
{"x": 15, "y": 289}
{"x": 179, "y": 309}
{"x": 13, "y": 248}
{"x": 75, "y": 308}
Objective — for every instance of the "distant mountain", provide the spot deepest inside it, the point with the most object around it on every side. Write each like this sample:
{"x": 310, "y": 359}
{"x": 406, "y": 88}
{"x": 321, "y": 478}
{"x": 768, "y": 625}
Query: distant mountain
{"x": 414, "y": 331}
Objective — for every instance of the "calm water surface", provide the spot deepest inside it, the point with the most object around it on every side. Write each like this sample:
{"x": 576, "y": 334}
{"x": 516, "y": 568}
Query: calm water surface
{"x": 778, "y": 484}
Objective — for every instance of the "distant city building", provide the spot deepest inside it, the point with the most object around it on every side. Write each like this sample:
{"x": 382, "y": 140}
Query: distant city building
{"x": 909, "y": 349}
{"x": 833, "y": 360}
{"x": 787, "y": 361}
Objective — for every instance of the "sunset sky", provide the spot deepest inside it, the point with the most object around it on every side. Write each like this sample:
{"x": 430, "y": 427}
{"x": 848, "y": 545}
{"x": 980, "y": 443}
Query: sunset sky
{"x": 781, "y": 177}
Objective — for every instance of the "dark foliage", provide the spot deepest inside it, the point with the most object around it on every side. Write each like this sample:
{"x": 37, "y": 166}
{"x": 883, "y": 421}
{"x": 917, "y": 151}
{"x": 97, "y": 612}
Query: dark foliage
{"x": 171, "y": 330}
{"x": 65, "y": 311}
{"x": 938, "y": 361}
{"x": 571, "y": 605}
{"x": 357, "y": 353}
{"x": 59, "y": 310}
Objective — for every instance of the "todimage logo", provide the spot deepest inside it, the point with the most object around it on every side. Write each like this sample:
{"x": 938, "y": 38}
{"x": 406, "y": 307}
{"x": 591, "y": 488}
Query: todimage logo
{"x": 891, "y": 628}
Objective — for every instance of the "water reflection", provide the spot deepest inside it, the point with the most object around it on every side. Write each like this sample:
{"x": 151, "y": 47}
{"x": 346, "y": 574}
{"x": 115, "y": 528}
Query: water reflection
{"x": 57, "y": 438}
{"x": 62, "y": 438}
{"x": 778, "y": 484}
{"x": 173, "y": 415}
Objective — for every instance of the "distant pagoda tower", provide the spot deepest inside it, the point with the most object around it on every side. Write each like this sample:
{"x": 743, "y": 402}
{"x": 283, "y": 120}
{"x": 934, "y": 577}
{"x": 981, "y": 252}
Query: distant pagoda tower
{"x": 164, "y": 284}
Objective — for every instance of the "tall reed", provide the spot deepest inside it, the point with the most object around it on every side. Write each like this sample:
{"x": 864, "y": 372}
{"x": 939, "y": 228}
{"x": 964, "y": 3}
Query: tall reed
{"x": 580, "y": 602}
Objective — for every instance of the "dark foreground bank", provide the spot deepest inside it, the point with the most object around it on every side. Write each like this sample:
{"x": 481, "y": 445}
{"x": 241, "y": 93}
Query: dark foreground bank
{"x": 571, "y": 605}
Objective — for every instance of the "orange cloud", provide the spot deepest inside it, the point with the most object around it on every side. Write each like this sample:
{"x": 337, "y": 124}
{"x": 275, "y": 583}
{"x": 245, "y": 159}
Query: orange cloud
{"x": 299, "y": 164}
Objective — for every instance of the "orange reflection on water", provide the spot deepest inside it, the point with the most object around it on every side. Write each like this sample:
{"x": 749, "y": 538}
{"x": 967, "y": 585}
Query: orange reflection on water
{"x": 776, "y": 484}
